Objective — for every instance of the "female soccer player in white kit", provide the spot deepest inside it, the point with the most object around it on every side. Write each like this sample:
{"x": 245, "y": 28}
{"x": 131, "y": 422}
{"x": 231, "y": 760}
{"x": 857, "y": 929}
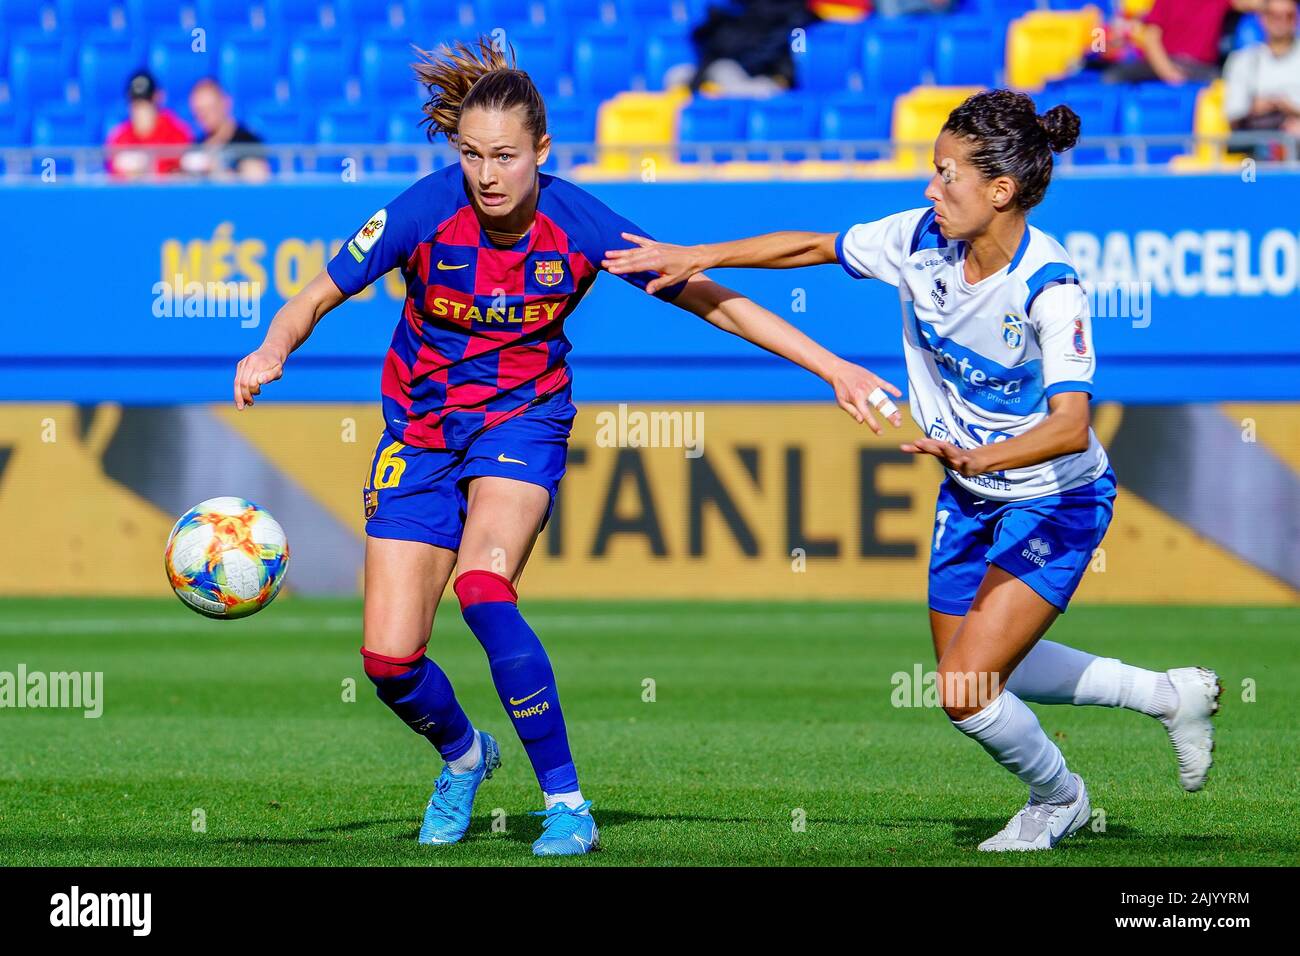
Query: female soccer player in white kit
{"x": 1000, "y": 361}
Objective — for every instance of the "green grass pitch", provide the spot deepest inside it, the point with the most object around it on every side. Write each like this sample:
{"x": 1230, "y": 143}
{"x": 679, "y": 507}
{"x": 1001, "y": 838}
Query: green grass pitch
{"x": 763, "y": 714}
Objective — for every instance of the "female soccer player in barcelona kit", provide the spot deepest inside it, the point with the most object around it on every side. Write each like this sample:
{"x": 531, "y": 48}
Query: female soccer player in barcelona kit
{"x": 1000, "y": 361}
{"x": 477, "y": 414}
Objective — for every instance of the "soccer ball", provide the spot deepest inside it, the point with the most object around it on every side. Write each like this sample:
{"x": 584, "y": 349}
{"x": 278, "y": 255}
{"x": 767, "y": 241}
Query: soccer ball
{"x": 226, "y": 558}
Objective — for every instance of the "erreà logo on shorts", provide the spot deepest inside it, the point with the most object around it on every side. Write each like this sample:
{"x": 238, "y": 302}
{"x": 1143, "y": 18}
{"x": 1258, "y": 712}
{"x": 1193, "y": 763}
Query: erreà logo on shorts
{"x": 74, "y": 909}
{"x": 1037, "y": 552}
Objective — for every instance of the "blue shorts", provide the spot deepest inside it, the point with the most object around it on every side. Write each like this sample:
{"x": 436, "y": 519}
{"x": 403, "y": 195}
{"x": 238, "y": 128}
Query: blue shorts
{"x": 1046, "y": 542}
{"x": 419, "y": 494}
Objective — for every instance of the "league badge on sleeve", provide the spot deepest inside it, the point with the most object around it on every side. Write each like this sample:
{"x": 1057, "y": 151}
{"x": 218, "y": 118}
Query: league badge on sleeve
{"x": 1080, "y": 343}
{"x": 368, "y": 235}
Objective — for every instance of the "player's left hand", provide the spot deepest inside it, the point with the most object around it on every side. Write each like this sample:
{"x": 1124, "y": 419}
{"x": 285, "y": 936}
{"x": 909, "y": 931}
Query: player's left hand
{"x": 965, "y": 461}
{"x": 858, "y": 391}
{"x": 673, "y": 263}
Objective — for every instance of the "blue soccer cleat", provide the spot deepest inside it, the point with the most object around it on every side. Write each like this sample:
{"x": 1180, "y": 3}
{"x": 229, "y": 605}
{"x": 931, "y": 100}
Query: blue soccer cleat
{"x": 446, "y": 818}
{"x": 566, "y": 831}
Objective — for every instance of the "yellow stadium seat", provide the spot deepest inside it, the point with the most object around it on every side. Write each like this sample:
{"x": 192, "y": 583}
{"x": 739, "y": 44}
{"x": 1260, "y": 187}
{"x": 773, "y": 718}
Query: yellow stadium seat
{"x": 1044, "y": 45}
{"x": 1209, "y": 121}
{"x": 638, "y": 119}
{"x": 919, "y": 114}
{"x": 1136, "y": 8}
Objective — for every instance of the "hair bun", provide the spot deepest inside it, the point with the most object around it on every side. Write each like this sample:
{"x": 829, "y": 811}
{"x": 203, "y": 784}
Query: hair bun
{"x": 1061, "y": 124}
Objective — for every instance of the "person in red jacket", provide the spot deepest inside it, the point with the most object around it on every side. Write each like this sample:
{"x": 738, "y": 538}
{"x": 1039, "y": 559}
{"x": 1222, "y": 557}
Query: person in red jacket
{"x": 148, "y": 125}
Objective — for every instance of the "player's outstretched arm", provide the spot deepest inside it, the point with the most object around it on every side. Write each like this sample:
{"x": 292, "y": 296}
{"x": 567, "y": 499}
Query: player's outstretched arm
{"x": 289, "y": 329}
{"x": 1063, "y": 432}
{"x": 857, "y": 390}
{"x": 775, "y": 250}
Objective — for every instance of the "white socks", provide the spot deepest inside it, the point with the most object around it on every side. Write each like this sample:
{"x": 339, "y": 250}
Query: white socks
{"x": 1011, "y": 734}
{"x": 469, "y": 759}
{"x": 1052, "y": 673}
{"x": 573, "y": 799}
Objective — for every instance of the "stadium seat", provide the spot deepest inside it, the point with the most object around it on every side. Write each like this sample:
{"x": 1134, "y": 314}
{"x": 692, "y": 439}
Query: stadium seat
{"x": 831, "y": 60}
{"x": 1001, "y": 9}
{"x": 711, "y": 121}
{"x": 320, "y": 64}
{"x": 222, "y": 17}
{"x": 897, "y": 54}
{"x": 366, "y": 16}
{"x": 967, "y": 54}
{"x": 107, "y": 59}
{"x": 249, "y": 65}
{"x": 606, "y": 62}
{"x": 346, "y": 124}
{"x": 638, "y": 119}
{"x": 1045, "y": 44}
{"x": 67, "y": 125}
{"x": 789, "y": 118}
{"x": 18, "y": 15}
{"x": 581, "y": 14}
{"x": 571, "y": 121}
{"x": 434, "y": 19}
{"x": 855, "y": 118}
{"x": 1249, "y": 31}
{"x": 150, "y": 16}
{"x": 15, "y": 128}
{"x": 294, "y": 16}
{"x": 79, "y": 15}
{"x": 1098, "y": 107}
{"x": 545, "y": 55}
{"x": 39, "y": 64}
{"x": 279, "y": 123}
{"x": 386, "y": 75}
{"x": 664, "y": 50}
{"x": 176, "y": 66}
{"x": 489, "y": 15}
{"x": 1154, "y": 109}
{"x": 1209, "y": 121}
{"x": 918, "y": 117}
{"x": 403, "y": 128}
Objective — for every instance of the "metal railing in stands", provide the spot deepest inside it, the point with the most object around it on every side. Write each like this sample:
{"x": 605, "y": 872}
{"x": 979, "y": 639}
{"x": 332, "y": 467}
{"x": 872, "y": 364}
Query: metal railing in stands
{"x": 702, "y": 161}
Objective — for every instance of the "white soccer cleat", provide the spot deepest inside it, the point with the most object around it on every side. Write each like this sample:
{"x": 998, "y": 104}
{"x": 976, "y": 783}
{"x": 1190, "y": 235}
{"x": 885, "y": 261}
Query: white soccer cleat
{"x": 1040, "y": 826}
{"x": 1190, "y": 729}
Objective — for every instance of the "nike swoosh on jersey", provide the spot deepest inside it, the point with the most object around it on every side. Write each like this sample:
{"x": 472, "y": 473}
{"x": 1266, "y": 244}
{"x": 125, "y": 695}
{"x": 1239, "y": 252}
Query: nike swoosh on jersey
{"x": 521, "y": 700}
{"x": 509, "y": 461}
{"x": 444, "y": 266}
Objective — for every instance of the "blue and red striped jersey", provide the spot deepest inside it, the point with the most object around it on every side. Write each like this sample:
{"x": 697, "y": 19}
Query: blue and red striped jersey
{"x": 481, "y": 336}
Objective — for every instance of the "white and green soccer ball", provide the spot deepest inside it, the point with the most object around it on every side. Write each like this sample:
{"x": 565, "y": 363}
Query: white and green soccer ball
{"x": 226, "y": 558}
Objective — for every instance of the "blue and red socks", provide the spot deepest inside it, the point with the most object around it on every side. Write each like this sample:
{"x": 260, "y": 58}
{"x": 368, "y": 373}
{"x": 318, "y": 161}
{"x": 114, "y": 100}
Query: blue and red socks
{"x": 417, "y": 690}
{"x": 522, "y": 674}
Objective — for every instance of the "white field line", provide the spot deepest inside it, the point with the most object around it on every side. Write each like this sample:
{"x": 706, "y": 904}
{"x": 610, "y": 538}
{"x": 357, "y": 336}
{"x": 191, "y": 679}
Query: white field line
{"x": 612, "y": 623}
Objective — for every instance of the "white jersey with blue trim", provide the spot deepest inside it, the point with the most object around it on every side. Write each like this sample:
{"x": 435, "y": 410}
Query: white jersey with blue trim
{"x": 983, "y": 359}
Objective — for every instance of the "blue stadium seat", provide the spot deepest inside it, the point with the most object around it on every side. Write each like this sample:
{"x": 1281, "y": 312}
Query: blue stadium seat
{"x": 106, "y": 61}
{"x": 544, "y": 54}
{"x": 39, "y": 64}
{"x": 279, "y": 123}
{"x": 404, "y": 127}
{"x": 385, "y": 72}
{"x": 148, "y": 16}
{"x": 606, "y": 61}
{"x": 320, "y": 63}
{"x": 1152, "y": 109}
{"x": 968, "y": 54}
{"x": 67, "y": 125}
{"x": 78, "y": 15}
{"x": 365, "y": 16}
{"x": 783, "y": 119}
{"x": 853, "y": 117}
{"x": 176, "y": 66}
{"x": 663, "y": 51}
{"x": 643, "y": 13}
{"x": 832, "y": 57}
{"x": 1249, "y": 31}
{"x": 897, "y": 54}
{"x": 223, "y": 16}
{"x": 1098, "y": 107}
{"x": 491, "y": 15}
{"x": 15, "y": 128}
{"x": 1001, "y": 10}
{"x": 581, "y": 14}
{"x": 432, "y": 19}
{"x": 249, "y": 65}
{"x": 711, "y": 121}
{"x": 346, "y": 125}
{"x": 570, "y": 120}
{"x": 21, "y": 14}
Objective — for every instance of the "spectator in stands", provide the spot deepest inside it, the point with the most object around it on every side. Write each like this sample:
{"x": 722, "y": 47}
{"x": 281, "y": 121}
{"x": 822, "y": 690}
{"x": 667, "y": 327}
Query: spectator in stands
{"x": 1262, "y": 82}
{"x": 1179, "y": 41}
{"x": 229, "y": 149}
{"x": 148, "y": 124}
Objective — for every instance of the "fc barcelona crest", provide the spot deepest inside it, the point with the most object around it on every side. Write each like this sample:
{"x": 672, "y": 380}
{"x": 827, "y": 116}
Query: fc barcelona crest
{"x": 1013, "y": 330}
{"x": 549, "y": 272}
{"x": 370, "y": 498}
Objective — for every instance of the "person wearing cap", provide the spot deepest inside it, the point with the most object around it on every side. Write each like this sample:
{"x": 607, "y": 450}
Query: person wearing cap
{"x": 149, "y": 124}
